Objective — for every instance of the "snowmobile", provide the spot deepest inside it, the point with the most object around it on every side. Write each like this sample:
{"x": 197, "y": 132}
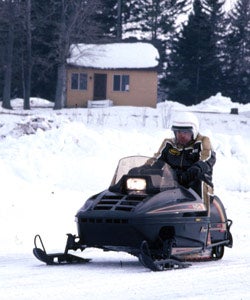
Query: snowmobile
{"x": 146, "y": 213}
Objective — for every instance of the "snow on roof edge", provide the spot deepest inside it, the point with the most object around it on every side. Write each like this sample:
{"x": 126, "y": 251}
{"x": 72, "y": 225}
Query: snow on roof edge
{"x": 114, "y": 56}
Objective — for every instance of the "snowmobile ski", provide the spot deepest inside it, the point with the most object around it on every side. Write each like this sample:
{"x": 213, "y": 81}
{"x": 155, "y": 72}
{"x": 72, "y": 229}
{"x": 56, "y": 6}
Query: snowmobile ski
{"x": 58, "y": 258}
{"x": 161, "y": 264}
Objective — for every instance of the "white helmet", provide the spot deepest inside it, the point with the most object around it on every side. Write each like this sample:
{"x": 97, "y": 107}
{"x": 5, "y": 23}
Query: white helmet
{"x": 185, "y": 120}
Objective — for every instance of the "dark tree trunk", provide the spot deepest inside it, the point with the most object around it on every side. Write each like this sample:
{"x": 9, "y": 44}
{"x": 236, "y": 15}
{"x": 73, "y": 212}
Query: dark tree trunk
{"x": 9, "y": 58}
{"x": 60, "y": 87}
{"x": 28, "y": 60}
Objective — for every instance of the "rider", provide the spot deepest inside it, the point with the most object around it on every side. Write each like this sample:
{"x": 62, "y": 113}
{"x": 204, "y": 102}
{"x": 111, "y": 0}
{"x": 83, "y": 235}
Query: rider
{"x": 190, "y": 154}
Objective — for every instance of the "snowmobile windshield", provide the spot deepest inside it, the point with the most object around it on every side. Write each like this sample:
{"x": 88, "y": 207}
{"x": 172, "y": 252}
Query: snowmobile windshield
{"x": 137, "y": 167}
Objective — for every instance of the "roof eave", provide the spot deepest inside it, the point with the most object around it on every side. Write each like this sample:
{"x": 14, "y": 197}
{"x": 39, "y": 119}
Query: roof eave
{"x": 70, "y": 65}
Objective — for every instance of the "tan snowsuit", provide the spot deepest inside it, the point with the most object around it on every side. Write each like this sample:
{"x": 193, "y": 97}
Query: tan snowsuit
{"x": 196, "y": 157}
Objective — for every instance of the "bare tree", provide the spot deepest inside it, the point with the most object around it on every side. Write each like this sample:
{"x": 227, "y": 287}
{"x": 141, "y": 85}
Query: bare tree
{"x": 76, "y": 24}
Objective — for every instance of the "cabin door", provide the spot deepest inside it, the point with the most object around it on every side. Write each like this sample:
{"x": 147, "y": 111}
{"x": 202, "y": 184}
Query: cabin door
{"x": 100, "y": 86}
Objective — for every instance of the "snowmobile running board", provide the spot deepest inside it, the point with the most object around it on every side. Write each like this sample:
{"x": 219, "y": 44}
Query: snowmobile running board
{"x": 58, "y": 258}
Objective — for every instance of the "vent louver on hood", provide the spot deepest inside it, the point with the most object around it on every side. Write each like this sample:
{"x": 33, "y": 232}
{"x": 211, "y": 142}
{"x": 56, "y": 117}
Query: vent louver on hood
{"x": 119, "y": 202}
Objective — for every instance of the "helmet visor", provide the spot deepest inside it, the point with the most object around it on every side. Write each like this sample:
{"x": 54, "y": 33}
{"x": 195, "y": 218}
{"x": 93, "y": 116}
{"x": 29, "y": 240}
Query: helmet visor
{"x": 187, "y": 129}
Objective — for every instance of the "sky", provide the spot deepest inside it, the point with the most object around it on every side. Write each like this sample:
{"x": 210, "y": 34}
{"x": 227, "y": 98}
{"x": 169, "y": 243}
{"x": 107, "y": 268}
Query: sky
{"x": 52, "y": 161}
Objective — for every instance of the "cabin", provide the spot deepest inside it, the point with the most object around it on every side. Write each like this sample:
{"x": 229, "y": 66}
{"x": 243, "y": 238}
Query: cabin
{"x": 122, "y": 74}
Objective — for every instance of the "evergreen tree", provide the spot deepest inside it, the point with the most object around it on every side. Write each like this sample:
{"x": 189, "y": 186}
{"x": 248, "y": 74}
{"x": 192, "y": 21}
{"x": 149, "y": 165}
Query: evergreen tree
{"x": 153, "y": 19}
{"x": 107, "y": 17}
{"x": 215, "y": 10}
{"x": 113, "y": 17}
{"x": 237, "y": 73}
{"x": 131, "y": 17}
{"x": 193, "y": 70}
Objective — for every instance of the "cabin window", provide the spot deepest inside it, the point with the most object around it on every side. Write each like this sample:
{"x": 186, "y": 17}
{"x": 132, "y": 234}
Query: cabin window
{"x": 121, "y": 83}
{"x": 79, "y": 81}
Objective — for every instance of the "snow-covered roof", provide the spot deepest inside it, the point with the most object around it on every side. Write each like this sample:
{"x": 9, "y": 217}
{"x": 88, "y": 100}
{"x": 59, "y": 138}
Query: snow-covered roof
{"x": 113, "y": 56}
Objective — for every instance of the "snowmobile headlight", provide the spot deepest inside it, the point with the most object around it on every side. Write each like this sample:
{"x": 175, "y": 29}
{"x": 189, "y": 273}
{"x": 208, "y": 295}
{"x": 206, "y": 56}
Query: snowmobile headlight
{"x": 136, "y": 184}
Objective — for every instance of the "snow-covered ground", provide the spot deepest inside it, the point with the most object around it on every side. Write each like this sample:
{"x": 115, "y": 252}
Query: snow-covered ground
{"x": 52, "y": 161}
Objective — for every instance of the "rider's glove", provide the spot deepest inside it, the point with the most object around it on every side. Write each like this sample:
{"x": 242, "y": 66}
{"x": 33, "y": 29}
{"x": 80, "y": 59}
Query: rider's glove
{"x": 192, "y": 174}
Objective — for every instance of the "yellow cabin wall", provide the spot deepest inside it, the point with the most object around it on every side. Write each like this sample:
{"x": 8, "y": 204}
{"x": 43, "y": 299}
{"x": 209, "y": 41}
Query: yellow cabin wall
{"x": 142, "y": 88}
